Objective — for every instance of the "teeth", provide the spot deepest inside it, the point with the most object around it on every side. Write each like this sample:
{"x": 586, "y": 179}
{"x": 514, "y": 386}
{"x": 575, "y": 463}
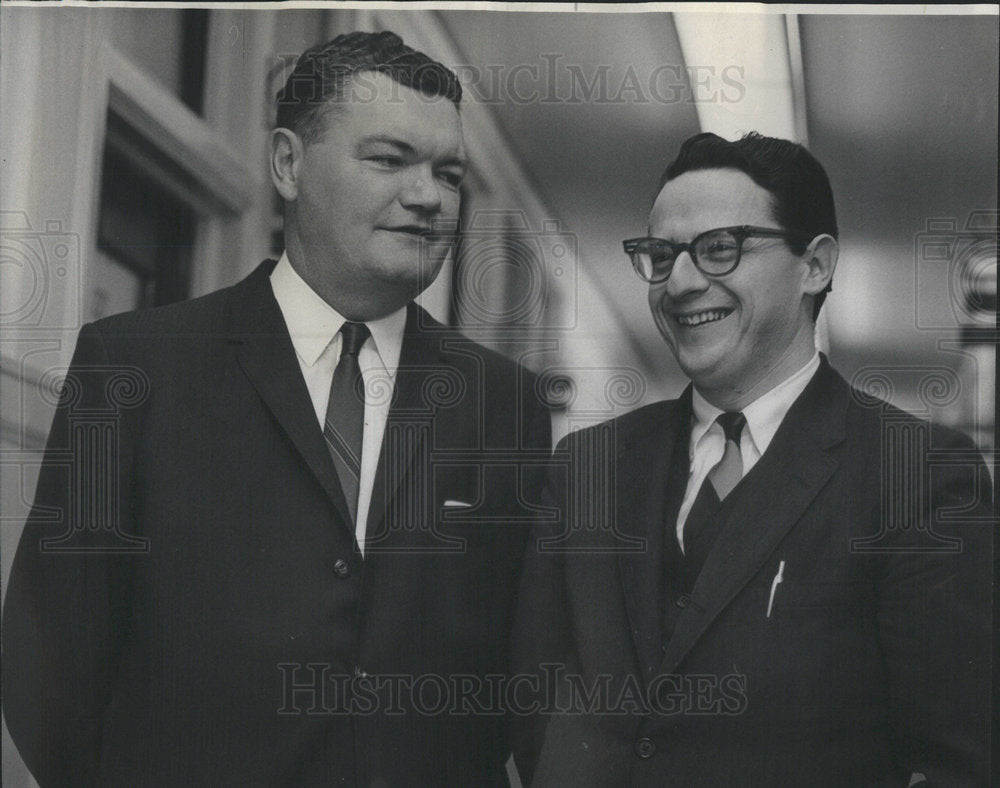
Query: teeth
{"x": 701, "y": 317}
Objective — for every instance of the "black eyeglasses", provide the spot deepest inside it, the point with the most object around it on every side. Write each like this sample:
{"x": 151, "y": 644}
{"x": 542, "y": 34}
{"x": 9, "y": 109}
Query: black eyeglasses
{"x": 715, "y": 252}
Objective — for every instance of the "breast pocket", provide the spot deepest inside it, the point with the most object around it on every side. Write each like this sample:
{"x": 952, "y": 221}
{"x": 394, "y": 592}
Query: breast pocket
{"x": 795, "y": 595}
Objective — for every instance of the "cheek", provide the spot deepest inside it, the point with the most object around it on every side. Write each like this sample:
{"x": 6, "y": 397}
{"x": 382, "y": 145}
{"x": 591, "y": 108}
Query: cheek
{"x": 773, "y": 312}
{"x": 364, "y": 193}
{"x": 654, "y": 297}
{"x": 341, "y": 206}
{"x": 451, "y": 202}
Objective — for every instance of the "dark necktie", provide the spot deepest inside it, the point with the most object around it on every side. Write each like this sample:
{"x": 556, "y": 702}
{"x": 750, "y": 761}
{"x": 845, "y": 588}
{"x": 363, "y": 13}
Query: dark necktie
{"x": 345, "y": 414}
{"x": 701, "y": 525}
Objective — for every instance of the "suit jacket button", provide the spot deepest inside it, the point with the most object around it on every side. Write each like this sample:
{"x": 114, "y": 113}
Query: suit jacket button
{"x": 341, "y": 568}
{"x": 645, "y": 748}
{"x": 682, "y": 600}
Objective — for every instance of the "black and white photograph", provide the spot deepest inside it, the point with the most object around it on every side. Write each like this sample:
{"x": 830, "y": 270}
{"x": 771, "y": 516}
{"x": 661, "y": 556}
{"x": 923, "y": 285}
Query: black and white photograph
{"x": 498, "y": 394}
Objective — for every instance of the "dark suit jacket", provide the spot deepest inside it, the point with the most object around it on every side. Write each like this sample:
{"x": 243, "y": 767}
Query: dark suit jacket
{"x": 874, "y": 662}
{"x": 188, "y": 605}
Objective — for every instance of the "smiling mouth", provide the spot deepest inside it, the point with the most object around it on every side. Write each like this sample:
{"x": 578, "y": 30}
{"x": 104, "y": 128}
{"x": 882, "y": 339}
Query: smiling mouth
{"x": 411, "y": 229}
{"x": 701, "y": 318}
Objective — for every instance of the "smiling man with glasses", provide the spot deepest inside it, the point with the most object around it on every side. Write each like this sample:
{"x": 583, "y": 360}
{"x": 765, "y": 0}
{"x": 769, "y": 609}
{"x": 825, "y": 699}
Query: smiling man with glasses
{"x": 792, "y": 586}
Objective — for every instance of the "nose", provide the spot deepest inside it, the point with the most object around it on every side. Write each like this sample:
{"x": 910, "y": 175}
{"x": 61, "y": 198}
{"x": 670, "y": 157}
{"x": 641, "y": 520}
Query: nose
{"x": 422, "y": 192}
{"x": 685, "y": 278}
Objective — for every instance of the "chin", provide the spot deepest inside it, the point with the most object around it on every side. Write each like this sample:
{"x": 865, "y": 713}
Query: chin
{"x": 410, "y": 282}
{"x": 705, "y": 372}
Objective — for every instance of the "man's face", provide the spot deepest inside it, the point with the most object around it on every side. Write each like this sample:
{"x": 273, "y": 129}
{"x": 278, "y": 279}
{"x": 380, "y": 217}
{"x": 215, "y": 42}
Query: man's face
{"x": 388, "y": 167}
{"x": 743, "y": 332}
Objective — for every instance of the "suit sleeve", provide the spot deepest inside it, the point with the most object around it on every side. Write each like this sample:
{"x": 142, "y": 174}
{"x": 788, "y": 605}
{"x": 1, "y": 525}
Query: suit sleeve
{"x": 541, "y": 629}
{"x": 934, "y": 616}
{"x": 66, "y": 611}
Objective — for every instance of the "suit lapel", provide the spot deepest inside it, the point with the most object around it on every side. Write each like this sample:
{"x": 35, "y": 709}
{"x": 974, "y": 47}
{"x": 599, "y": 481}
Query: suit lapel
{"x": 772, "y": 498}
{"x": 410, "y": 420}
{"x": 265, "y": 352}
{"x": 646, "y": 467}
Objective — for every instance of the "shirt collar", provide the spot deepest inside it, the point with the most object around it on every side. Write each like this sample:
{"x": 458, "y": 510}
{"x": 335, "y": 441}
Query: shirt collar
{"x": 313, "y": 324}
{"x": 764, "y": 415}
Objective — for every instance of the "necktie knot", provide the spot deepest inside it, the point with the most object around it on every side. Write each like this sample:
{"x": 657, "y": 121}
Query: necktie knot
{"x": 732, "y": 425}
{"x": 353, "y": 337}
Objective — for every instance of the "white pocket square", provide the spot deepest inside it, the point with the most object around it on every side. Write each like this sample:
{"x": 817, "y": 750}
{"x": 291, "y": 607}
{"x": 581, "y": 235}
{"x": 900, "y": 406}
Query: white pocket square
{"x": 450, "y": 504}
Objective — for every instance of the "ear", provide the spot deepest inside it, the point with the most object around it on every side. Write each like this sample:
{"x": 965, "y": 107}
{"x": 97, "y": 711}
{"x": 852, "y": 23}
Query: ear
{"x": 821, "y": 261}
{"x": 286, "y": 161}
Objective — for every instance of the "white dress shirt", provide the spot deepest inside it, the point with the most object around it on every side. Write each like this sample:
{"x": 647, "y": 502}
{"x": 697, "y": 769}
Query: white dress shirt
{"x": 314, "y": 327}
{"x": 764, "y": 415}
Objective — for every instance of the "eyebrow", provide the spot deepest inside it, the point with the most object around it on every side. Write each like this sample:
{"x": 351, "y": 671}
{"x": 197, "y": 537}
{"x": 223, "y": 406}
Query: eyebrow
{"x": 405, "y": 147}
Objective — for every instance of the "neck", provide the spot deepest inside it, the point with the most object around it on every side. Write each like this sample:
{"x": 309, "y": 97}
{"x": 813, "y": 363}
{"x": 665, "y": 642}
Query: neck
{"x": 356, "y": 304}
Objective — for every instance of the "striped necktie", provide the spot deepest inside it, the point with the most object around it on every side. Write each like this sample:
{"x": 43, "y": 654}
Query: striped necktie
{"x": 345, "y": 414}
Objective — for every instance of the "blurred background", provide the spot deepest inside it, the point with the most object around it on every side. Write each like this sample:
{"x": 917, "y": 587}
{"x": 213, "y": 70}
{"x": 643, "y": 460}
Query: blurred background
{"x": 134, "y": 173}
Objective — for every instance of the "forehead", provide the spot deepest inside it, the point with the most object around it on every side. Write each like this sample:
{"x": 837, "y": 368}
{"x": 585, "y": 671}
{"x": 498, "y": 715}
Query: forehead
{"x": 376, "y": 106}
{"x": 704, "y": 199}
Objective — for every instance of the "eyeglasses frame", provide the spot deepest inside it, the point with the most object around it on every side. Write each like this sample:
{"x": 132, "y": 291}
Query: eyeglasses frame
{"x": 740, "y": 232}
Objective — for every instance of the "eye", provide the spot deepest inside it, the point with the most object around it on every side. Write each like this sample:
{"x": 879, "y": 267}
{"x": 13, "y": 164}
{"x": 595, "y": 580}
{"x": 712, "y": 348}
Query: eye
{"x": 386, "y": 161}
{"x": 452, "y": 177}
{"x": 717, "y": 245}
{"x": 660, "y": 254}
{"x": 721, "y": 247}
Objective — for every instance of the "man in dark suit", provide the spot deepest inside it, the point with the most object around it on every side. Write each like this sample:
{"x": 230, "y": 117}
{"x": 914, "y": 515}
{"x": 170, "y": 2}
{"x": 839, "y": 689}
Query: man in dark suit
{"x": 791, "y": 585}
{"x": 278, "y": 531}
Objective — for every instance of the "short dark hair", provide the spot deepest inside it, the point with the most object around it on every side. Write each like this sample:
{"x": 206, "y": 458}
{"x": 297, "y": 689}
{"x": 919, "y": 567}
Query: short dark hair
{"x": 802, "y": 197}
{"x": 322, "y": 73}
